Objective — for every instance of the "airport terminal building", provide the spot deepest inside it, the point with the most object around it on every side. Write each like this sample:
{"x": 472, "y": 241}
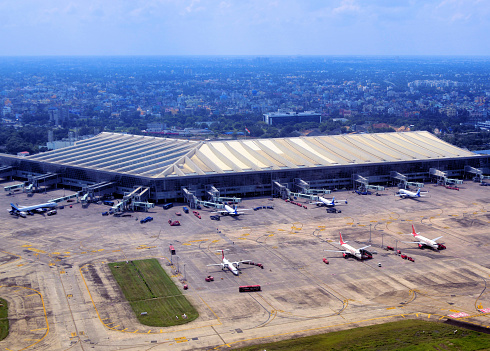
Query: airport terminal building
{"x": 174, "y": 168}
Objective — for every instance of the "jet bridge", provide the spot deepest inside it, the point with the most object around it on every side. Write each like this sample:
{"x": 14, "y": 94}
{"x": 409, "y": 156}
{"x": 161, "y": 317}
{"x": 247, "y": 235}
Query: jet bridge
{"x": 214, "y": 196}
{"x": 305, "y": 187}
{"x": 280, "y": 190}
{"x": 478, "y": 173}
{"x": 134, "y": 201}
{"x": 44, "y": 180}
{"x": 442, "y": 177}
{"x": 190, "y": 197}
{"x": 96, "y": 190}
{"x": 404, "y": 183}
{"x": 12, "y": 188}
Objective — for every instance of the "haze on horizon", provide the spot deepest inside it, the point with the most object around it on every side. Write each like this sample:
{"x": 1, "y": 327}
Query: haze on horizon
{"x": 247, "y": 27}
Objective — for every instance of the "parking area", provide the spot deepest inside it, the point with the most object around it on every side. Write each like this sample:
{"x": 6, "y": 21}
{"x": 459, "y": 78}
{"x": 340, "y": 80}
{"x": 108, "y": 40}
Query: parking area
{"x": 64, "y": 257}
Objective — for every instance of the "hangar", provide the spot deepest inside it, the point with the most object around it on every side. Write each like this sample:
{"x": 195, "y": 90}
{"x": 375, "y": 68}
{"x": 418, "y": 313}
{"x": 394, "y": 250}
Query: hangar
{"x": 174, "y": 168}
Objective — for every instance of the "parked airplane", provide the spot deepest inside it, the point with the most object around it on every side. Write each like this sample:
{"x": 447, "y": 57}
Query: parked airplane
{"x": 424, "y": 242}
{"x": 20, "y": 210}
{"x": 225, "y": 264}
{"x": 349, "y": 251}
{"x": 229, "y": 211}
{"x": 406, "y": 193}
{"x": 327, "y": 202}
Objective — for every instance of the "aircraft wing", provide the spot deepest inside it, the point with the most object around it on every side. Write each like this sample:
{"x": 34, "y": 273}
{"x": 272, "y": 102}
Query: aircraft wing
{"x": 365, "y": 247}
{"x": 344, "y": 251}
{"x": 241, "y": 261}
{"x": 437, "y": 238}
{"x": 413, "y": 242}
{"x": 216, "y": 264}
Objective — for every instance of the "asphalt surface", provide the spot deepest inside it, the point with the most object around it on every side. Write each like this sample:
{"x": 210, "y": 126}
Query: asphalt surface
{"x": 54, "y": 273}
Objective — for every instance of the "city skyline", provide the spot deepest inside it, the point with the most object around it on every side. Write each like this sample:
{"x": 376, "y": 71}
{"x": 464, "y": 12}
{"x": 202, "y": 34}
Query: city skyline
{"x": 253, "y": 27}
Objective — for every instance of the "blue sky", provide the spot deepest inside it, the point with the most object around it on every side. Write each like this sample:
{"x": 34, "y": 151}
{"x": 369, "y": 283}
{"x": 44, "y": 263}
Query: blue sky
{"x": 244, "y": 27}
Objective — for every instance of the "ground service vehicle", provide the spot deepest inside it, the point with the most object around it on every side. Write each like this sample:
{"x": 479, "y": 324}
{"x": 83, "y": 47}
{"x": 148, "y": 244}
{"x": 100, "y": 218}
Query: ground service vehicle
{"x": 185, "y": 209}
{"x": 215, "y": 218}
{"x": 248, "y": 288}
{"x": 52, "y": 212}
{"x": 171, "y": 249}
{"x": 108, "y": 203}
{"x": 209, "y": 278}
{"x": 147, "y": 219}
{"x": 167, "y": 206}
{"x": 173, "y": 223}
{"x": 105, "y": 213}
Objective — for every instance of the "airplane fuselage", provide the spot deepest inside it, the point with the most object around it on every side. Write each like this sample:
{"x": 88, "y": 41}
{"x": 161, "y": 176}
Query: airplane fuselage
{"x": 354, "y": 252}
{"x": 230, "y": 266}
{"x": 427, "y": 242}
{"x": 406, "y": 193}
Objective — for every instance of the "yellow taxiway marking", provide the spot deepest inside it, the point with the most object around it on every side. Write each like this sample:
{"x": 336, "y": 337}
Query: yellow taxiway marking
{"x": 83, "y": 252}
{"x": 116, "y": 250}
{"x": 135, "y": 330}
{"x": 26, "y": 245}
{"x": 181, "y": 339}
{"x": 124, "y": 329}
{"x": 20, "y": 265}
{"x": 428, "y": 316}
{"x": 246, "y": 234}
{"x": 55, "y": 253}
{"x": 455, "y": 311}
{"x": 215, "y": 241}
{"x": 149, "y": 331}
{"x": 36, "y": 250}
{"x": 390, "y": 308}
{"x": 73, "y": 335}
{"x": 32, "y": 330}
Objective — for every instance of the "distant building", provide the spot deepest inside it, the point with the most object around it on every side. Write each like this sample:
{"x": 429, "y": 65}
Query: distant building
{"x": 282, "y": 117}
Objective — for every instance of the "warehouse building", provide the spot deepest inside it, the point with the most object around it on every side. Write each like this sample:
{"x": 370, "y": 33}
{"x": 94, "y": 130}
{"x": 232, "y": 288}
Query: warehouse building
{"x": 173, "y": 168}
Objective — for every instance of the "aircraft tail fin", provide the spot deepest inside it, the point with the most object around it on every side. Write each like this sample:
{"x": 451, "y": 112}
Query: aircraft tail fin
{"x": 418, "y": 192}
{"x": 342, "y": 242}
{"x": 413, "y": 231}
{"x": 14, "y": 207}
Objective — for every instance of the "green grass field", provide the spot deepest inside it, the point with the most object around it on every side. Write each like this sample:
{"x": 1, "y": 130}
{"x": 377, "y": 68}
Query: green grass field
{"x": 406, "y": 335}
{"x": 4, "y": 322}
{"x": 149, "y": 289}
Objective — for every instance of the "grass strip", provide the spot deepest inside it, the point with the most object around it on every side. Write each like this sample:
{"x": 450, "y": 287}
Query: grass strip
{"x": 148, "y": 288}
{"x": 406, "y": 335}
{"x": 4, "y": 322}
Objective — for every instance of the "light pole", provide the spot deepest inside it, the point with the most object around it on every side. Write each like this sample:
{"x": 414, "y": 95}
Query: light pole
{"x": 370, "y": 224}
{"x": 382, "y": 236}
{"x": 184, "y": 273}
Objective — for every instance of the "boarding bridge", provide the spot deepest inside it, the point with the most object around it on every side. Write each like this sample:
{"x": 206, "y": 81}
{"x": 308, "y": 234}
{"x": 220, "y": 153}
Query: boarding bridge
{"x": 12, "y": 188}
{"x": 190, "y": 197}
{"x": 214, "y": 196}
{"x": 310, "y": 197}
{"x": 477, "y": 172}
{"x": 403, "y": 179}
{"x": 375, "y": 187}
{"x": 280, "y": 190}
{"x": 96, "y": 190}
{"x": 44, "y": 180}
{"x": 362, "y": 181}
{"x": 416, "y": 184}
{"x": 442, "y": 178}
{"x": 212, "y": 192}
{"x": 64, "y": 198}
{"x": 142, "y": 206}
{"x": 134, "y": 200}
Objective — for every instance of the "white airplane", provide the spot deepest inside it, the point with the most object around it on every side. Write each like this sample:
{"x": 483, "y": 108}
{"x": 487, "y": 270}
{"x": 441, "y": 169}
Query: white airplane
{"x": 360, "y": 253}
{"x": 22, "y": 210}
{"x": 406, "y": 193}
{"x": 327, "y": 202}
{"x": 225, "y": 264}
{"x": 423, "y": 241}
{"x": 230, "y": 211}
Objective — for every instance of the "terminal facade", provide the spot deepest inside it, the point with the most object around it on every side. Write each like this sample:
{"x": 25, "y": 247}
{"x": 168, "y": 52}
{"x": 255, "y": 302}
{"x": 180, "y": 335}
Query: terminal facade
{"x": 177, "y": 170}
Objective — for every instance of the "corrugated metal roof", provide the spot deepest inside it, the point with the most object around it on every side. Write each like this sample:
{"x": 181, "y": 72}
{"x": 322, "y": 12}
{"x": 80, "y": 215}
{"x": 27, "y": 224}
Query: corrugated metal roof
{"x": 160, "y": 157}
